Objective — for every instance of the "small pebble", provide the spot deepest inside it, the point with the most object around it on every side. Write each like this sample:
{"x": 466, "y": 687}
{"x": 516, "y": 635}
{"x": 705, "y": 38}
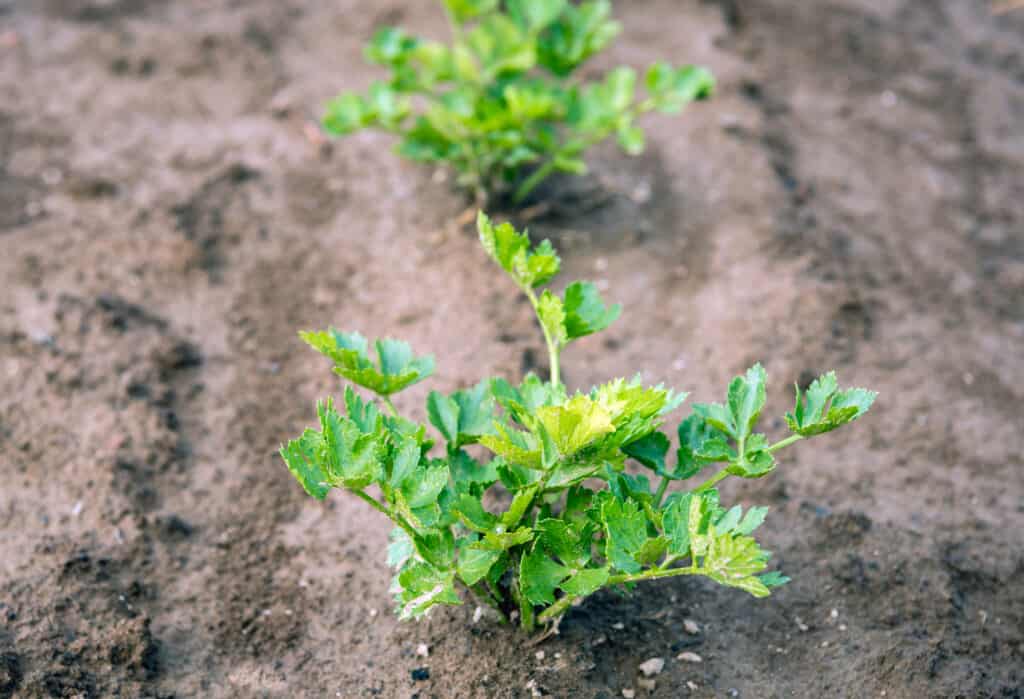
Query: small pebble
{"x": 652, "y": 667}
{"x": 691, "y": 627}
{"x": 420, "y": 673}
{"x": 834, "y": 614}
{"x": 628, "y": 693}
{"x": 692, "y": 685}
{"x": 77, "y": 509}
{"x": 689, "y": 657}
{"x": 842, "y": 627}
{"x": 618, "y": 626}
{"x": 539, "y": 655}
{"x": 649, "y": 685}
{"x": 423, "y": 650}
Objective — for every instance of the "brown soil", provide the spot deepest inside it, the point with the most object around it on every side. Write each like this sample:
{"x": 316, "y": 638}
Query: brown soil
{"x": 852, "y": 198}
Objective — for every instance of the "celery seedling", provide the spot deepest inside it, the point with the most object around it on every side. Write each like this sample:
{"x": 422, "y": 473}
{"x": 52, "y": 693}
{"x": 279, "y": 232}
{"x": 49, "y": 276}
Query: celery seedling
{"x": 571, "y": 518}
{"x": 503, "y": 104}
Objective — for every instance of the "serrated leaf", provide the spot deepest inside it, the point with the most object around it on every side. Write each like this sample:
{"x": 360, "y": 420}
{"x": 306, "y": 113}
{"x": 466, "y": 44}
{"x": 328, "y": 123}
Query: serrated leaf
{"x": 302, "y": 457}
{"x": 585, "y": 312}
{"x": 520, "y": 504}
{"x": 424, "y": 484}
{"x": 652, "y": 551}
{"x": 404, "y": 462}
{"x": 463, "y": 417}
{"x": 400, "y": 548}
{"x": 511, "y": 250}
{"x": 586, "y": 582}
{"x": 734, "y": 561}
{"x": 672, "y": 88}
{"x": 568, "y": 541}
{"x": 773, "y": 579}
{"x": 389, "y": 46}
{"x": 751, "y": 521}
{"x": 396, "y": 369}
{"x": 754, "y": 464}
{"x": 551, "y": 313}
{"x": 650, "y": 451}
{"x": 465, "y": 10}
{"x": 419, "y": 587}
{"x": 575, "y": 424}
{"x": 436, "y": 547}
{"x": 474, "y": 564}
{"x": 469, "y": 473}
{"x": 515, "y": 447}
{"x": 578, "y": 33}
{"x": 472, "y": 513}
{"x": 824, "y": 407}
{"x": 443, "y": 413}
{"x": 539, "y": 575}
{"x": 676, "y": 522}
{"x": 625, "y": 528}
{"x": 746, "y": 399}
{"x": 727, "y": 522}
{"x": 700, "y": 444}
{"x": 631, "y": 139}
{"x": 501, "y": 540}
{"x": 534, "y": 15}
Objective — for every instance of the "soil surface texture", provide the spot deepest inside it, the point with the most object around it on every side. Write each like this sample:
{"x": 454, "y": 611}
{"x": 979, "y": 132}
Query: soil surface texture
{"x": 170, "y": 216}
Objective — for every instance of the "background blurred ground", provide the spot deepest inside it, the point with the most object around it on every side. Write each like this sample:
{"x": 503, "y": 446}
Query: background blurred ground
{"x": 852, "y": 198}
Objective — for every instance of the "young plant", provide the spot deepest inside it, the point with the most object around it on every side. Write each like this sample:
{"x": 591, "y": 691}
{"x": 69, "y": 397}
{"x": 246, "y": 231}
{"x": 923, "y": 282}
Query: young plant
{"x": 503, "y": 105}
{"x": 546, "y": 513}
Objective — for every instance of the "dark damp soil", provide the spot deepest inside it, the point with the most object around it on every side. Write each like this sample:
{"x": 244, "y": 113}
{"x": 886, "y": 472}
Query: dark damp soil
{"x": 851, "y": 199}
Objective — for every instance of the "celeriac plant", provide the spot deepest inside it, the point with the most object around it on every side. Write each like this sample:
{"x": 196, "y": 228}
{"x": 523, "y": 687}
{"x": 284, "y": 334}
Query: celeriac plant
{"x": 503, "y": 104}
{"x": 543, "y": 512}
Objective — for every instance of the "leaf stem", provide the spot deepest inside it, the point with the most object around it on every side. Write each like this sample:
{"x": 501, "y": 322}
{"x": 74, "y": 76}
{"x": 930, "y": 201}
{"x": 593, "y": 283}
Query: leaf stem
{"x": 553, "y": 349}
{"x": 710, "y": 483}
{"x": 390, "y": 405}
{"x": 394, "y": 517}
{"x": 661, "y": 491}
{"x": 785, "y": 442}
{"x": 653, "y": 574}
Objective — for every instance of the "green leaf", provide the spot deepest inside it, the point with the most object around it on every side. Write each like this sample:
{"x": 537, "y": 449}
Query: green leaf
{"x": 520, "y": 504}
{"x": 586, "y": 582}
{"x": 672, "y": 88}
{"x": 585, "y": 312}
{"x": 516, "y": 447}
{"x": 539, "y": 576}
{"x": 463, "y": 417}
{"x": 511, "y": 250}
{"x": 575, "y": 424}
{"x": 345, "y": 114}
{"x": 735, "y": 561}
{"x": 580, "y": 32}
{"x": 551, "y": 313}
{"x": 727, "y": 522}
{"x": 568, "y": 541}
{"x": 501, "y": 46}
{"x": 650, "y": 451}
{"x": 472, "y": 513}
{"x": 625, "y": 529}
{"x": 390, "y": 46}
{"x": 469, "y": 473}
{"x": 773, "y": 579}
{"x": 825, "y": 407}
{"x": 396, "y": 369}
{"x": 400, "y": 548}
{"x": 404, "y": 462}
{"x": 751, "y": 521}
{"x": 465, "y": 10}
{"x": 700, "y": 444}
{"x": 754, "y": 464}
{"x": 423, "y": 485}
{"x": 475, "y": 563}
{"x": 347, "y": 457}
{"x": 676, "y": 521}
{"x": 420, "y": 586}
{"x": 746, "y": 399}
{"x": 502, "y": 541}
{"x": 534, "y": 15}
{"x": 303, "y": 459}
{"x": 631, "y": 139}
{"x": 652, "y": 551}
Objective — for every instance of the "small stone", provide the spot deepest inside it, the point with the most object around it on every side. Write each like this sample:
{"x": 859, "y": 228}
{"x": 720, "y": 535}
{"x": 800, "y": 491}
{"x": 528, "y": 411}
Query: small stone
{"x": 77, "y": 509}
{"x": 422, "y": 650}
{"x": 649, "y": 685}
{"x": 652, "y": 667}
{"x": 419, "y": 674}
{"x": 689, "y": 657}
{"x": 539, "y": 655}
{"x": 834, "y": 614}
{"x": 692, "y": 685}
{"x": 800, "y": 624}
{"x": 535, "y": 691}
{"x": 691, "y": 627}
{"x": 618, "y": 626}
{"x": 629, "y": 693}
{"x": 842, "y": 627}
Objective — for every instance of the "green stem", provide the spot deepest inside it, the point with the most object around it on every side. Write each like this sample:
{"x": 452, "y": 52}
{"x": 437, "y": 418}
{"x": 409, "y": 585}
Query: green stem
{"x": 661, "y": 491}
{"x": 785, "y": 442}
{"x": 535, "y": 178}
{"x": 553, "y": 349}
{"x": 710, "y": 483}
{"x": 559, "y": 608}
{"x": 396, "y": 518}
{"x": 483, "y": 595}
{"x": 390, "y": 405}
{"x": 652, "y": 574}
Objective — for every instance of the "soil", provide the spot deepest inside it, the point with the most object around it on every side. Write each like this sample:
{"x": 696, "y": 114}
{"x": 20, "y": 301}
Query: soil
{"x": 170, "y": 216}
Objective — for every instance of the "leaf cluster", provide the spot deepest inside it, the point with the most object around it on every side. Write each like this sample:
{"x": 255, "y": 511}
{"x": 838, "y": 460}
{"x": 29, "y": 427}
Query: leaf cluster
{"x": 543, "y": 511}
{"x": 502, "y": 99}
